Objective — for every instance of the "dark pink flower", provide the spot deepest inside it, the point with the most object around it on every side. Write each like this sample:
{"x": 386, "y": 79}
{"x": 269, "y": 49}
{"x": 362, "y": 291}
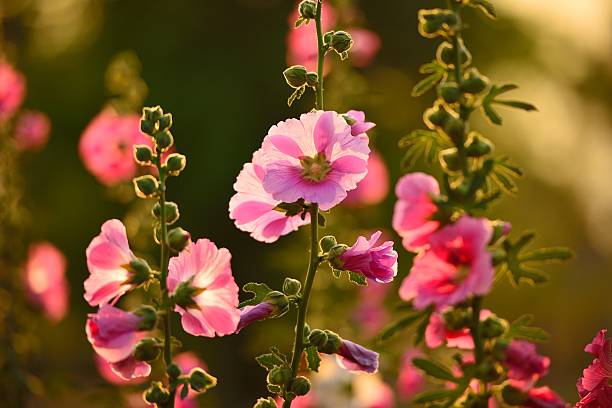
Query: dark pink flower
{"x": 544, "y": 397}
{"x": 438, "y": 334}
{"x": 45, "y": 280}
{"x": 359, "y": 127}
{"x": 314, "y": 158}
{"x": 12, "y": 90}
{"x": 106, "y": 372}
{"x": 594, "y": 386}
{"x": 114, "y": 333}
{"x": 200, "y": 279}
{"x": 354, "y": 357}
{"x": 410, "y": 380}
{"x": 378, "y": 263}
{"x": 525, "y": 366}
{"x": 253, "y": 209}
{"x": 366, "y": 45}
{"x": 414, "y": 208}
{"x": 32, "y": 130}
{"x": 252, "y": 314}
{"x": 456, "y": 266}
{"x": 374, "y": 188}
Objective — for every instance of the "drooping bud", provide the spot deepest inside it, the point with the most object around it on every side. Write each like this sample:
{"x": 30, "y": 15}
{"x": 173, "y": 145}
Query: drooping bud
{"x": 178, "y": 239}
{"x": 171, "y": 212}
{"x": 175, "y": 163}
{"x": 143, "y": 155}
{"x": 341, "y": 42}
{"x": 327, "y": 243}
{"x": 145, "y": 186}
{"x": 163, "y": 140}
{"x": 200, "y": 380}
{"x": 165, "y": 122}
{"x": 295, "y": 76}
{"x": 147, "y": 349}
{"x": 308, "y": 9}
{"x": 300, "y": 386}
{"x": 156, "y": 394}
{"x": 317, "y": 338}
{"x": 140, "y": 271}
{"x": 149, "y": 317}
{"x": 291, "y": 286}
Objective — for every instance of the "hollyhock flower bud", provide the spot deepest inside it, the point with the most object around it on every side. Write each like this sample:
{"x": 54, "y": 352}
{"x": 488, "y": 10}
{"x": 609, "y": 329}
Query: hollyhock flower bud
{"x": 308, "y": 9}
{"x": 280, "y": 375}
{"x": 291, "y": 286}
{"x": 200, "y": 380}
{"x": 300, "y": 386}
{"x": 147, "y": 349}
{"x": 544, "y": 397}
{"x": 327, "y": 243}
{"x": 175, "y": 163}
{"x": 178, "y": 239}
{"x": 143, "y": 155}
{"x": 12, "y": 90}
{"x": 456, "y": 266}
{"x": 163, "y": 140}
{"x": 112, "y": 266}
{"x": 332, "y": 343}
{"x": 156, "y": 394}
{"x": 374, "y": 188}
{"x": 437, "y": 116}
{"x": 296, "y": 76}
{"x": 171, "y": 212}
{"x": 314, "y": 158}
{"x": 525, "y": 366}
{"x": 275, "y": 304}
{"x": 450, "y": 92}
{"x": 474, "y": 82}
{"x": 594, "y": 386}
{"x": 302, "y": 42}
{"x": 478, "y": 145}
{"x": 149, "y": 317}
{"x": 378, "y": 263}
{"x": 212, "y": 308}
{"x": 414, "y": 209}
{"x": 354, "y": 357}
{"x": 32, "y": 130}
{"x": 317, "y": 338}
{"x": 146, "y": 186}
{"x": 45, "y": 281}
{"x": 341, "y": 42}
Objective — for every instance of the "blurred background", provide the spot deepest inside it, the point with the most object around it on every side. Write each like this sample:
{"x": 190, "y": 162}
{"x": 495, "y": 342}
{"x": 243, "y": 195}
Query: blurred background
{"x": 217, "y": 66}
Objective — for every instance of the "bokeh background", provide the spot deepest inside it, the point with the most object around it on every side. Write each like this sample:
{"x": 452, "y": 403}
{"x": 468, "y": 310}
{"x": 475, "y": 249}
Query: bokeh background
{"x": 216, "y": 65}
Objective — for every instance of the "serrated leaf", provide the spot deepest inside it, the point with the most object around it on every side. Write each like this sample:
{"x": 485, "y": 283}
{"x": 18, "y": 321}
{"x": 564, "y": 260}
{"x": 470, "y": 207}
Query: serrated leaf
{"x": 428, "y": 83}
{"x": 422, "y": 143}
{"x": 313, "y": 359}
{"x": 530, "y": 276}
{"x": 434, "y": 370}
{"x": 337, "y": 273}
{"x": 269, "y": 361}
{"x": 260, "y": 290}
{"x": 553, "y": 254}
{"x": 521, "y": 329}
{"x": 485, "y": 6}
{"x": 400, "y": 325}
{"x": 357, "y": 278}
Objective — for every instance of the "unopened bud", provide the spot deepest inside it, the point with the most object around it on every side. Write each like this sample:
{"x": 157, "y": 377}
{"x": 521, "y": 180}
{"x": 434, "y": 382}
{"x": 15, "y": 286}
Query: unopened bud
{"x": 478, "y": 145}
{"x": 449, "y": 159}
{"x": 200, "y": 380}
{"x": 455, "y": 129}
{"x": 296, "y": 76}
{"x": 333, "y": 343}
{"x": 175, "y": 163}
{"x": 317, "y": 338}
{"x": 445, "y": 54}
{"x": 334, "y": 256}
{"x": 312, "y": 79}
{"x": 165, "y": 122}
{"x": 450, "y": 92}
{"x": 327, "y": 243}
{"x": 156, "y": 394}
{"x": 308, "y": 9}
{"x": 279, "y": 301}
{"x": 265, "y": 403}
{"x": 163, "y": 140}
{"x": 143, "y": 155}
{"x": 300, "y": 386}
{"x": 341, "y": 42}
{"x": 149, "y": 317}
{"x": 178, "y": 239}
{"x": 436, "y": 116}
{"x": 474, "y": 82}
{"x": 171, "y": 212}
{"x": 492, "y": 327}
{"x": 280, "y": 375}
{"x": 145, "y": 186}
{"x": 147, "y": 349}
{"x": 173, "y": 371}
{"x": 291, "y": 286}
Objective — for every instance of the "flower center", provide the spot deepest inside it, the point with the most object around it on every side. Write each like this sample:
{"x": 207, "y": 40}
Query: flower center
{"x": 315, "y": 168}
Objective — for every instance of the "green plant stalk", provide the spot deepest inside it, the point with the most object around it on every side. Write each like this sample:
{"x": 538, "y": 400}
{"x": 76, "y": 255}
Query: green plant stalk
{"x": 320, "y": 56}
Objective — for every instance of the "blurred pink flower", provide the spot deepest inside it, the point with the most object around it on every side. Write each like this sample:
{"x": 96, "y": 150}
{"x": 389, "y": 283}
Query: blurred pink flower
{"x": 200, "y": 279}
{"x": 253, "y": 209}
{"x": 302, "y": 41}
{"x": 32, "y": 130}
{"x": 378, "y": 263}
{"x": 187, "y": 361}
{"x": 106, "y": 372}
{"x": 525, "y": 366}
{"x": 354, "y": 357}
{"x": 114, "y": 333}
{"x": 410, "y": 380}
{"x": 411, "y": 216}
{"x": 108, "y": 256}
{"x": 304, "y": 401}
{"x": 372, "y": 392}
{"x": 107, "y": 146}
{"x": 314, "y": 158}
{"x": 370, "y": 313}
{"x": 12, "y": 90}
{"x": 594, "y": 386}
{"x": 45, "y": 280}
{"x": 437, "y": 334}
{"x": 366, "y": 45}
{"x": 373, "y": 189}
{"x": 456, "y": 265}
{"x": 544, "y": 397}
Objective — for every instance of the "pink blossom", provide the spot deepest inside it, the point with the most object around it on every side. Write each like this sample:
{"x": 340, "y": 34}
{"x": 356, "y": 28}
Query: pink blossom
{"x": 106, "y": 372}
{"x": 456, "y": 265}
{"x": 253, "y": 209}
{"x": 304, "y": 401}
{"x": 370, "y": 313}
{"x": 200, "y": 279}
{"x": 354, "y": 357}
{"x": 251, "y": 314}
{"x": 302, "y": 41}
{"x": 114, "y": 333}
{"x": 438, "y": 334}
{"x": 45, "y": 280}
{"x": 410, "y": 380}
{"x": 107, "y": 146}
{"x": 544, "y": 397}
{"x": 366, "y": 45}
{"x": 373, "y": 189}
{"x": 378, "y": 263}
{"x": 314, "y": 158}
{"x": 359, "y": 127}
{"x": 594, "y": 386}
{"x": 414, "y": 208}
{"x": 12, "y": 90}
{"x": 525, "y": 365}
{"x": 32, "y": 130}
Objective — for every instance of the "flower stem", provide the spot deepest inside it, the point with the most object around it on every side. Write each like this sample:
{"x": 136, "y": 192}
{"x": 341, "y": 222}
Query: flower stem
{"x": 320, "y": 55}
{"x": 313, "y": 264}
{"x": 475, "y": 329}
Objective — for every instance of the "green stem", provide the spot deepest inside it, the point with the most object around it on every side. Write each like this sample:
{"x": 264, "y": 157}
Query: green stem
{"x": 313, "y": 264}
{"x": 320, "y": 56}
{"x": 476, "y": 329}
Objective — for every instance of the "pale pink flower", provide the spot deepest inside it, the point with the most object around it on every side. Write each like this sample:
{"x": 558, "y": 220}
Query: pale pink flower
{"x": 108, "y": 258}
{"x": 414, "y": 208}
{"x": 45, "y": 280}
{"x": 105, "y": 370}
{"x": 525, "y": 366}
{"x": 114, "y": 333}
{"x": 365, "y": 47}
{"x": 32, "y": 130}
{"x": 354, "y": 357}
{"x": 438, "y": 334}
{"x": 373, "y": 189}
{"x": 410, "y": 380}
{"x": 12, "y": 90}
{"x": 544, "y": 397}
{"x": 594, "y": 386}
{"x": 376, "y": 262}
{"x": 455, "y": 266}
{"x": 107, "y": 146}
{"x": 200, "y": 279}
{"x": 372, "y": 392}
{"x": 302, "y": 41}
{"x": 314, "y": 158}
{"x": 253, "y": 209}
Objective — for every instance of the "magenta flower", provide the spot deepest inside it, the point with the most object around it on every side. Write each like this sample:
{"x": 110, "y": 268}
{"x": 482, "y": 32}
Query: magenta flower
{"x": 253, "y": 209}
{"x": 45, "y": 280}
{"x": 302, "y": 41}
{"x": 410, "y": 380}
{"x": 378, "y": 263}
{"x": 360, "y": 126}
{"x": 354, "y": 357}
{"x": 108, "y": 260}
{"x": 414, "y": 208}
{"x": 114, "y": 333}
{"x": 314, "y": 158}
{"x": 32, "y": 130}
{"x": 370, "y": 313}
{"x": 525, "y": 366}
{"x": 373, "y": 189}
{"x": 12, "y": 90}
{"x": 544, "y": 397}
{"x": 366, "y": 45}
{"x": 252, "y": 314}
{"x": 200, "y": 281}
{"x": 456, "y": 266}
{"x": 594, "y": 386}
{"x": 438, "y": 334}
{"x": 106, "y": 372}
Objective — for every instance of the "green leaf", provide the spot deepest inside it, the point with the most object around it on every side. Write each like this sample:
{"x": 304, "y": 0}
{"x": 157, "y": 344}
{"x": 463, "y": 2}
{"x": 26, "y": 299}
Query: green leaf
{"x": 260, "y": 290}
{"x": 485, "y": 6}
{"x": 269, "y": 361}
{"x": 543, "y": 255}
{"x": 184, "y": 391}
{"x": 299, "y": 22}
{"x": 400, "y": 325}
{"x": 503, "y": 175}
{"x": 431, "y": 67}
{"x": 313, "y": 358}
{"x": 434, "y": 370}
{"x": 420, "y": 333}
{"x": 422, "y": 143}
{"x": 517, "y": 104}
{"x": 431, "y": 396}
{"x": 490, "y": 99}
{"x": 336, "y": 272}
{"x": 492, "y": 114}
{"x": 426, "y": 84}
{"x": 357, "y": 278}
{"x": 521, "y": 329}
{"x": 297, "y": 94}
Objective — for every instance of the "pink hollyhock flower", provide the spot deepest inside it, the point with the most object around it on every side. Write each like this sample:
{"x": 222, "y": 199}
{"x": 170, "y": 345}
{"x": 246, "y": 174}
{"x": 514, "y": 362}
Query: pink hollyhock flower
{"x": 302, "y": 41}
{"x": 201, "y": 282}
{"x": 366, "y": 45}
{"x": 370, "y": 314}
{"x": 414, "y": 208}
{"x": 456, "y": 265}
{"x": 544, "y": 397}
{"x": 106, "y": 372}
{"x": 410, "y": 380}
{"x": 354, "y": 357}
{"x": 594, "y": 386}
{"x": 359, "y": 127}
{"x": 373, "y": 189}
{"x": 314, "y": 158}
{"x": 107, "y": 147}
{"x": 45, "y": 280}
{"x": 378, "y": 263}
{"x": 108, "y": 260}
{"x": 253, "y": 209}
{"x": 12, "y": 90}
{"x": 32, "y": 130}
{"x": 525, "y": 365}
{"x": 114, "y": 333}
{"x": 252, "y": 314}
{"x": 438, "y": 334}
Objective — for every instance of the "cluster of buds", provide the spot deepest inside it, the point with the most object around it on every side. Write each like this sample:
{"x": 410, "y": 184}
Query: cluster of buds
{"x": 197, "y": 380}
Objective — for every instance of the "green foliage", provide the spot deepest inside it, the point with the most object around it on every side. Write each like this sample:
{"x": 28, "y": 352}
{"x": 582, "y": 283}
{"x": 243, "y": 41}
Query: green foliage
{"x": 436, "y": 74}
{"x": 503, "y": 175}
{"x": 434, "y": 369}
{"x": 272, "y": 359}
{"x": 313, "y": 359}
{"x": 422, "y": 143}
{"x": 260, "y": 290}
{"x": 521, "y": 329}
{"x": 357, "y": 278}
{"x": 491, "y": 99}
